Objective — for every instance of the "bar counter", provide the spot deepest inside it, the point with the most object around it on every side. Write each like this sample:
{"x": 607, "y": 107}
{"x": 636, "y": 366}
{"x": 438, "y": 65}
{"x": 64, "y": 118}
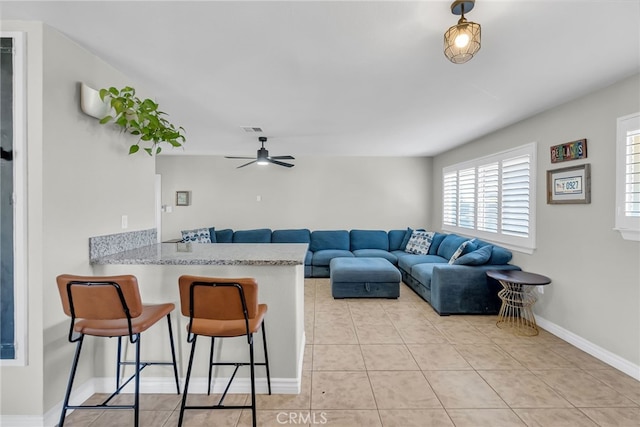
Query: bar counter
{"x": 279, "y": 270}
{"x": 210, "y": 254}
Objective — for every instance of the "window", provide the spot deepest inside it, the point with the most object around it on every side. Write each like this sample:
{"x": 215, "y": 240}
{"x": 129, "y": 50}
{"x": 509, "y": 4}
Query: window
{"x": 492, "y": 198}
{"x": 628, "y": 177}
{"x": 12, "y": 201}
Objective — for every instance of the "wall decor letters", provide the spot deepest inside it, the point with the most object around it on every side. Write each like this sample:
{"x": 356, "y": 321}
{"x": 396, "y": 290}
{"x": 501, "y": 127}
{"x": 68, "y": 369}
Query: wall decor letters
{"x": 569, "y": 151}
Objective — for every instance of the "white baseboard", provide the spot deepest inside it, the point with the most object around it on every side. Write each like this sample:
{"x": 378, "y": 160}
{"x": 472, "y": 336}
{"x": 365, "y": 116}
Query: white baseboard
{"x": 51, "y": 417}
{"x": 198, "y": 385}
{"x": 166, "y": 385}
{"x": 588, "y": 347}
{"x": 23, "y": 421}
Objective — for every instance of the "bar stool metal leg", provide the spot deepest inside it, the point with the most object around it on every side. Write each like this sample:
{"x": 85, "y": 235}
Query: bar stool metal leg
{"x": 186, "y": 382}
{"x": 213, "y": 340}
{"x": 266, "y": 356}
{"x": 173, "y": 355}
{"x": 118, "y": 362}
{"x": 136, "y": 404}
{"x": 72, "y": 376}
{"x": 253, "y": 381}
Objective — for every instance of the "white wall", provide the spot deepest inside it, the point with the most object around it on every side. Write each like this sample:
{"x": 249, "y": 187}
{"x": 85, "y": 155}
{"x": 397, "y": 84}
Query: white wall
{"x": 317, "y": 193}
{"x": 81, "y": 180}
{"x": 595, "y": 292}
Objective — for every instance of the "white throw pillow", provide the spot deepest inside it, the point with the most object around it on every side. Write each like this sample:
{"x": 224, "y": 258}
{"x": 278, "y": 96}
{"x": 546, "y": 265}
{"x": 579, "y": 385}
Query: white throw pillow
{"x": 199, "y": 235}
{"x": 419, "y": 242}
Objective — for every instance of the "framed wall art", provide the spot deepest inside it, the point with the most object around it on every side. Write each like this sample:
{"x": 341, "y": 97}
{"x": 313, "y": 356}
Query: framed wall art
{"x": 569, "y": 185}
{"x": 183, "y": 198}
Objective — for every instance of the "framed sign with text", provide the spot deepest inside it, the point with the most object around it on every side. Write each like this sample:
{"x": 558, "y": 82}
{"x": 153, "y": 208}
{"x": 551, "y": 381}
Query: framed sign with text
{"x": 573, "y": 150}
{"x": 569, "y": 185}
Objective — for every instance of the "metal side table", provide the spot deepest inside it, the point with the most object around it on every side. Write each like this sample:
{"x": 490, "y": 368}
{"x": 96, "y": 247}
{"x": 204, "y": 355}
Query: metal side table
{"x": 518, "y": 299}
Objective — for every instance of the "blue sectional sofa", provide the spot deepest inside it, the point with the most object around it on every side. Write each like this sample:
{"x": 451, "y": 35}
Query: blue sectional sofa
{"x": 461, "y": 287}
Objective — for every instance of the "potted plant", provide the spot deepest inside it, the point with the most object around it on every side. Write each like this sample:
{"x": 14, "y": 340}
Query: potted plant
{"x": 141, "y": 118}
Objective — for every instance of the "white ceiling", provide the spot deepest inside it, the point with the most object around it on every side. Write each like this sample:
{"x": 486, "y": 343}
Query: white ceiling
{"x": 349, "y": 78}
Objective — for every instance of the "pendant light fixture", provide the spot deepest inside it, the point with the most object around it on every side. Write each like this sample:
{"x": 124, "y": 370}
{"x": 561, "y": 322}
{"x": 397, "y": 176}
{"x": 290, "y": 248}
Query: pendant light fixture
{"x": 462, "y": 41}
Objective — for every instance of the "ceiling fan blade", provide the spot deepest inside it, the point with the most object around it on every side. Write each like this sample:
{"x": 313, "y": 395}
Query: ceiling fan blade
{"x": 283, "y": 157}
{"x": 246, "y": 164}
{"x": 236, "y": 157}
{"x": 275, "y": 162}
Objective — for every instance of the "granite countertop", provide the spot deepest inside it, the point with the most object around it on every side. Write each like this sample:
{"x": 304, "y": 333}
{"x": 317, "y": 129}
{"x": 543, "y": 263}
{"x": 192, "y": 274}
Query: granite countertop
{"x": 210, "y": 254}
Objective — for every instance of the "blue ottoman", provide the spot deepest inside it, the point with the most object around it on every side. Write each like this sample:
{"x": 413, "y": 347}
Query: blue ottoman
{"x": 364, "y": 278}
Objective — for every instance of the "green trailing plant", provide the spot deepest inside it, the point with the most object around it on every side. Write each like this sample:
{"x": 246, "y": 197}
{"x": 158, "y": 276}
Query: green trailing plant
{"x": 141, "y": 118}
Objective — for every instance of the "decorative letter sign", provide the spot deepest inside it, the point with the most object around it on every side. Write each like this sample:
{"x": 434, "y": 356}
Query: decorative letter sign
{"x": 569, "y": 151}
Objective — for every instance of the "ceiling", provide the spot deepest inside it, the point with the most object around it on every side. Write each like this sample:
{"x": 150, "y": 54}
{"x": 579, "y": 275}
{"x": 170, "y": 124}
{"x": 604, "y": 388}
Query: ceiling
{"x": 362, "y": 78}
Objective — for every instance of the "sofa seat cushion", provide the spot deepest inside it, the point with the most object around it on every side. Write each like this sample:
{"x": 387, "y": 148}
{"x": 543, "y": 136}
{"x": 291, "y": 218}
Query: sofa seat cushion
{"x": 422, "y": 273}
{"x": 329, "y": 239}
{"x": 308, "y": 258}
{"x": 407, "y": 261}
{"x": 399, "y": 253}
{"x": 324, "y": 257}
{"x": 375, "y": 253}
{"x": 369, "y": 239}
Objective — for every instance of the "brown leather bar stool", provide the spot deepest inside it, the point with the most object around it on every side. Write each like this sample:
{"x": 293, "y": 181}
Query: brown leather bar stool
{"x": 223, "y": 308}
{"x": 110, "y": 306}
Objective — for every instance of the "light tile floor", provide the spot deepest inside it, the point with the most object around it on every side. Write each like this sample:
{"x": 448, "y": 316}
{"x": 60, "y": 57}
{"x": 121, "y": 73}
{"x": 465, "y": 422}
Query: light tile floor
{"x": 379, "y": 362}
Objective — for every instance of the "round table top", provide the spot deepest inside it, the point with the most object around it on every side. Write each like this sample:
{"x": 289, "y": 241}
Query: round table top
{"x": 521, "y": 277}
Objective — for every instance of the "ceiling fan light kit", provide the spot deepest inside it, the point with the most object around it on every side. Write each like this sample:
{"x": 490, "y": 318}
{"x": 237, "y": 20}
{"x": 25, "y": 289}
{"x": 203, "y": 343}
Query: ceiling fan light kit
{"x": 263, "y": 158}
{"x": 462, "y": 41}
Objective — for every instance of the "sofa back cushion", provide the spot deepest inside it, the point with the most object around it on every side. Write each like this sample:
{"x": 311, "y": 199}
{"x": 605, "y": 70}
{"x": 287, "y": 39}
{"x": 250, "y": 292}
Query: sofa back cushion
{"x": 224, "y": 236}
{"x": 329, "y": 239}
{"x": 369, "y": 239}
{"x": 301, "y": 235}
{"x": 499, "y": 255}
{"x": 435, "y": 243}
{"x": 259, "y": 235}
{"x": 395, "y": 239}
{"x": 449, "y": 245}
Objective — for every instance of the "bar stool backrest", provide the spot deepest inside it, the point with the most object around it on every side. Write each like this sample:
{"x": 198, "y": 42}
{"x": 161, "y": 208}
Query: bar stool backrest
{"x": 100, "y": 297}
{"x": 216, "y": 298}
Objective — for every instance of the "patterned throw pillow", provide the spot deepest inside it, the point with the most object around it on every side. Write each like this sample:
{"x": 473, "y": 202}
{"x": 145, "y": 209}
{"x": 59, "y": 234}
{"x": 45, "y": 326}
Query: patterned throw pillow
{"x": 199, "y": 235}
{"x": 460, "y": 250}
{"x": 419, "y": 242}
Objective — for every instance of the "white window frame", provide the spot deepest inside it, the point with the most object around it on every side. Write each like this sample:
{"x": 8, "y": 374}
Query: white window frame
{"x": 19, "y": 199}
{"x": 516, "y": 243}
{"x": 628, "y": 226}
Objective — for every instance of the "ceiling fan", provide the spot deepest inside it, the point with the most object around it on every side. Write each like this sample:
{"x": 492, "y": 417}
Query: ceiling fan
{"x": 263, "y": 158}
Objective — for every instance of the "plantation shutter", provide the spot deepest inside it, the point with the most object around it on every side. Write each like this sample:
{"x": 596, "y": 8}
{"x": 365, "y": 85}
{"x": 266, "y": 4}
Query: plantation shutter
{"x": 488, "y": 197}
{"x": 450, "y": 199}
{"x": 632, "y": 175}
{"x": 467, "y": 193}
{"x": 515, "y": 196}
